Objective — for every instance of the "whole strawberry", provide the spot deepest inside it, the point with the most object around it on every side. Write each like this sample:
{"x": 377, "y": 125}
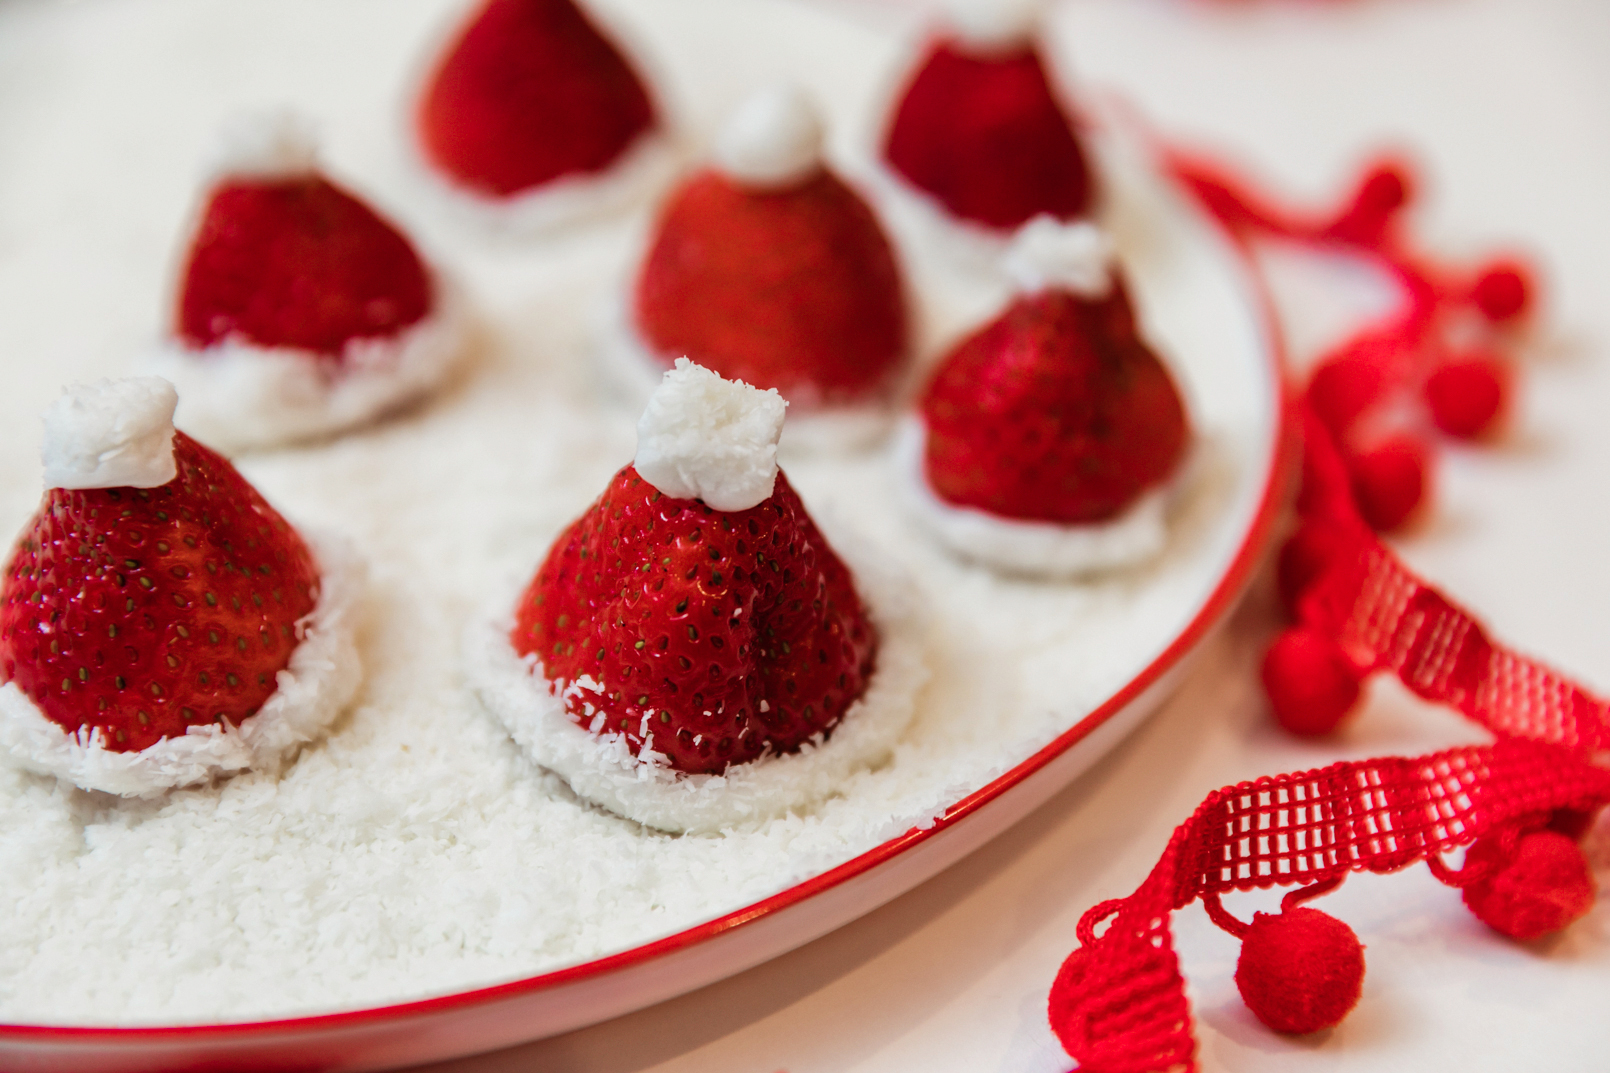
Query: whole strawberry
{"x": 712, "y": 626}
{"x": 979, "y": 128}
{"x": 290, "y": 260}
{"x": 769, "y": 269}
{"x": 160, "y": 625}
{"x": 1055, "y": 411}
{"x": 529, "y": 93}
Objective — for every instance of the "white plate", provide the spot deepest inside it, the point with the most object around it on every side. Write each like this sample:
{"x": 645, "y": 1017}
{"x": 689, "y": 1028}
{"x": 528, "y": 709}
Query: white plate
{"x": 102, "y": 238}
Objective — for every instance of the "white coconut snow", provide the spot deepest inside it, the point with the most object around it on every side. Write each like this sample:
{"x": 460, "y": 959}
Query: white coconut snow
{"x": 773, "y": 140}
{"x": 111, "y": 434}
{"x": 600, "y": 767}
{"x": 702, "y": 436}
{"x": 314, "y": 688}
{"x": 237, "y": 396}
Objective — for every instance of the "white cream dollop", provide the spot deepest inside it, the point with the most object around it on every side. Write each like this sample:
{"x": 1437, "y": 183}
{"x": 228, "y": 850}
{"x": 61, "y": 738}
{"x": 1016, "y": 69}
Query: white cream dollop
{"x": 267, "y": 144}
{"x": 703, "y": 437}
{"x": 773, "y": 140}
{"x": 111, "y": 434}
{"x": 993, "y": 25}
{"x": 1048, "y": 253}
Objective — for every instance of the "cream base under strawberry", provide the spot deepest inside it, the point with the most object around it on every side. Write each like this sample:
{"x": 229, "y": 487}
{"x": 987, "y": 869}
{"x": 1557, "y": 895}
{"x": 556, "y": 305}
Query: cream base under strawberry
{"x": 646, "y": 167}
{"x": 631, "y": 370}
{"x": 323, "y": 676}
{"x": 236, "y": 396}
{"x": 601, "y": 769}
{"x": 1035, "y": 549}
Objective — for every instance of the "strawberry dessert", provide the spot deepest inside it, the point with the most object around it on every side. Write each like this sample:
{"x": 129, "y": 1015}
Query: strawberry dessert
{"x": 301, "y": 312}
{"x": 533, "y": 118}
{"x": 1048, "y": 441}
{"x": 160, "y": 623}
{"x": 692, "y": 653}
{"x": 979, "y": 132}
{"x": 767, "y": 267}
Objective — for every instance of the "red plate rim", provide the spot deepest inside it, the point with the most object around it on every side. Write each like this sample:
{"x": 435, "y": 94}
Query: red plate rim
{"x": 1231, "y": 583}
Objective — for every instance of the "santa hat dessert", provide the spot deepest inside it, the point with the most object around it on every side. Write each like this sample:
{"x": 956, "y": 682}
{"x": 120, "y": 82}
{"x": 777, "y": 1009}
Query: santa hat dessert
{"x": 300, "y": 311}
{"x": 160, "y": 624}
{"x": 1049, "y": 441}
{"x": 532, "y": 119}
{"x": 693, "y": 654}
{"x": 766, "y": 267}
{"x": 978, "y": 132}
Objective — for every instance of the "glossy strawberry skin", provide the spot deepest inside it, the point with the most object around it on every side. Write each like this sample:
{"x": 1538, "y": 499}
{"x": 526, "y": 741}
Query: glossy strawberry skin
{"x": 529, "y": 93}
{"x": 986, "y": 137}
{"x": 734, "y": 633}
{"x": 1056, "y": 411}
{"x": 143, "y": 611}
{"x": 795, "y": 289}
{"x": 297, "y": 262}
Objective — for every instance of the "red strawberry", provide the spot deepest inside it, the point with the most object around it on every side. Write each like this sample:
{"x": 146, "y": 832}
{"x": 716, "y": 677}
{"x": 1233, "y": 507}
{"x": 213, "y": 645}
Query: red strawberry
{"x": 724, "y": 633}
{"x": 984, "y": 134}
{"x": 530, "y": 92}
{"x": 1056, "y": 411}
{"x": 793, "y": 288}
{"x": 295, "y": 261}
{"x": 144, "y": 611}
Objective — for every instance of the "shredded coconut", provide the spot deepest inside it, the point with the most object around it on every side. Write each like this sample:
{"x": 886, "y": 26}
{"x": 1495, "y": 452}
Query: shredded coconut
{"x": 705, "y": 437}
{"x": 111, "y": 434}
{"x": 773, "y": 140}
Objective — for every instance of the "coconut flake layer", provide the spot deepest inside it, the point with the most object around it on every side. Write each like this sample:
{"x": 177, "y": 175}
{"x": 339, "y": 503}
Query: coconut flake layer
{"x": 1034, "y": 549}
{"x": 702, "y": 436}
{"x": 773, "y": 140}
{"x": 600, "y": 768}
{"x": 315, "y": 687}
{"x": 111, "y": 434}
{"x": 236, "y": 396}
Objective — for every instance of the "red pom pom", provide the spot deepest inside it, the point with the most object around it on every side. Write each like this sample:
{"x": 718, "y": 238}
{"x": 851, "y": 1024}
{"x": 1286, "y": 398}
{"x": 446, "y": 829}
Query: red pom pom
{"x": 1389, "y": 481}
{"x": 1544, "y": 887}
{"x": 1300, "y": 970}
{"x": 1303, "y": 558}
{"x": 1345, "y": 385}
{"x": 1503, "y": 291}
{"x": 1310, "y": 682}
{"x": 1467, "y": 394}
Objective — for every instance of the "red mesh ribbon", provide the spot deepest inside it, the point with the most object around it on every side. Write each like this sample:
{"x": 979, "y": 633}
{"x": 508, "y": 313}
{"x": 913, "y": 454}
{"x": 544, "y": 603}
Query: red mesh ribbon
{"x": 1118, "y": 1005}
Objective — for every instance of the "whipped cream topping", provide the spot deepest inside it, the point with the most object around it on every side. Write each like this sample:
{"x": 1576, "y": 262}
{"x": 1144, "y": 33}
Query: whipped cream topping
{"x": 1048, "y": 253}
{"x": 993, "y": 25}
{"x": 267, "y": 144}
{"x": 111, "y": 434}
{"x": 774, "y": 139}
{"x": 703, "y": 437}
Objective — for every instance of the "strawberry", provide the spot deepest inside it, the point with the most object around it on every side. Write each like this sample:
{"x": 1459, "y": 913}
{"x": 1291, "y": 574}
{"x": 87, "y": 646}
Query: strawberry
{"x": 711, "y": 636}
{"x": 792, "y": 287}
{"x": 295, "y": 261}
{"x": 530, "y": 92}
{"x": 983, "y": 133}
{"x": 1056, "y": 411}
{"x": 144, "y": 611}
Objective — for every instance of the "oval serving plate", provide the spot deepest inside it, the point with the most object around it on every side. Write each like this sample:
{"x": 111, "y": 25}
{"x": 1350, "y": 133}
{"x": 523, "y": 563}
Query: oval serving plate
{"x": 1199, "y": 304}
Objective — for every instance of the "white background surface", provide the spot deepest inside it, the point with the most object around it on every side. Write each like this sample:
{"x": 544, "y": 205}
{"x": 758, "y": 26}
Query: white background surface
{"x": 1506, "y": 105}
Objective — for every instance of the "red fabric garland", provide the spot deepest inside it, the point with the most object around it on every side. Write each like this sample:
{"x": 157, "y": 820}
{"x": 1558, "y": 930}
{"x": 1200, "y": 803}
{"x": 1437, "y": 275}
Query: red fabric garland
{"x": 1118, "y": 1004}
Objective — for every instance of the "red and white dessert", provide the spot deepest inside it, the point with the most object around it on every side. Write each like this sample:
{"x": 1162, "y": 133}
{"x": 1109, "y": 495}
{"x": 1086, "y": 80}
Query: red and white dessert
{"x": 693, "y": 654}
{"x": 1047, "y": 441}
{"x": 160, "y": 623}
{"x": 300, "y": 312}
{"x": 533, "y": 118}
{"x": 768, "y": 268}
{"x": 979, "y": 133}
